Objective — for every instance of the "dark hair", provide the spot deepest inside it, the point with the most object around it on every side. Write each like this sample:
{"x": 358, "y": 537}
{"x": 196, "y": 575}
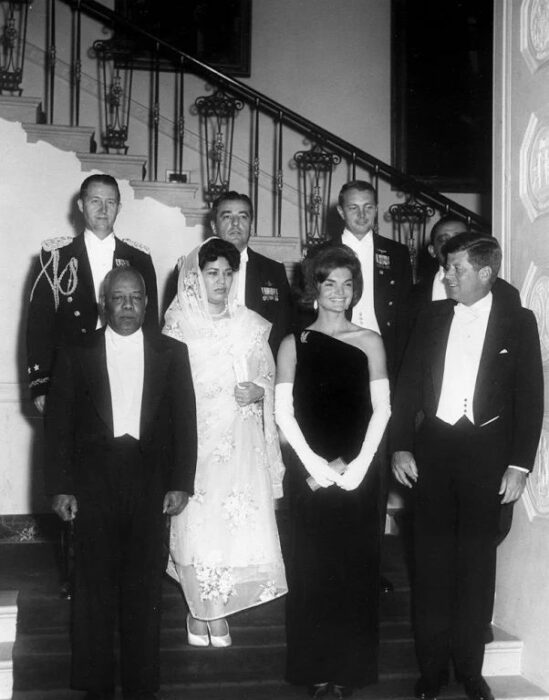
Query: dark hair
{"x": 447, "y": 219}
{"x": 229, "y": 196}
{"x": 482, "y": 251}
{"x": 101, "y": 179}
{"x": 321, "y": 262}
{"x": 119, "y": 272}
{"x": 215, "y": 248}
{"x": 360, "y": 185}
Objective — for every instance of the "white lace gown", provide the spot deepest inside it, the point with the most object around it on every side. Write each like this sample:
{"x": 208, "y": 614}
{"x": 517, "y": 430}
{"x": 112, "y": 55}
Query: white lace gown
{"x": 224, "y": 547}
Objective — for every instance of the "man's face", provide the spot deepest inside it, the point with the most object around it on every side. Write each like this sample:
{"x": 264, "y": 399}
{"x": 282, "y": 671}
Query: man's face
{"x": 124, "y": 303}
{"x": 100, "y": 207}
{"x": 358, "y": 211}
{"x": 463, "y": 282}
{"x": 443, "y": 233}
{"x": 233, "y": 222}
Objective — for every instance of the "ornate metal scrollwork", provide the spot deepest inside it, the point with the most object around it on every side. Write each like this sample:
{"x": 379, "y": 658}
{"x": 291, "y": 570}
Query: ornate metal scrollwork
{"x": 409, "y": 220}
{"x": 217, "y": 113}
{"x": 117, "y": 74}
{"x": 315, "y": 168}
{"x": 13, "y": 37}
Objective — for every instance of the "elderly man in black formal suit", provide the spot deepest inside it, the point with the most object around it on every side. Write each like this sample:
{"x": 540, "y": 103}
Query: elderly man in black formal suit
{"x": 262, "y": 282}
{"x": 65, "y": 283}
{"x": 466, "y": 422}
{"x": 121, "y": 453}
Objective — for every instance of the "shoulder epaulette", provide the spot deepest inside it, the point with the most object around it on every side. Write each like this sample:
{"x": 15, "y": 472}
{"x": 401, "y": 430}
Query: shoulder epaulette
{"x": 54, "y": 243}
{"x": 134, "y": 244}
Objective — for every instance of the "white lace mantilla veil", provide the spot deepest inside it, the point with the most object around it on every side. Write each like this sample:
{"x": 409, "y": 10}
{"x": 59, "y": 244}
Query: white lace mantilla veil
{"x": 244, "y": 338}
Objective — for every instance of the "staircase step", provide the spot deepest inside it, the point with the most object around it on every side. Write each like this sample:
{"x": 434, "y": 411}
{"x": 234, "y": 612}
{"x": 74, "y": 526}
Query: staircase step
{"x": 503, "y": 655}
{"x": 186, "y": 196}
{"x": 286, "y": 249}
{"x": 47, "y": 657}
{"x": 8, "y": 615}
{"x": 6, "y": 670}
{"x": 20, "y": 109}
{"x": 64, "y": 137}
{"x": 396, "y": 688}
{"x": 119, "y": 166}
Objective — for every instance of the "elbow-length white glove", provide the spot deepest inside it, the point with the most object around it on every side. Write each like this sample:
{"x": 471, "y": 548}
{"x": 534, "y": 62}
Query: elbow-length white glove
{"x": 381, "y": 405}
{"x": 284, "y": 415}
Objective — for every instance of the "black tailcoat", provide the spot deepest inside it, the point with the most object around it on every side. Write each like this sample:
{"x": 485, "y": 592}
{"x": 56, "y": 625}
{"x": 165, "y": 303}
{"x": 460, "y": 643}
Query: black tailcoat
{"x": 456, "y": 500}
{"x": 119, "y": 484}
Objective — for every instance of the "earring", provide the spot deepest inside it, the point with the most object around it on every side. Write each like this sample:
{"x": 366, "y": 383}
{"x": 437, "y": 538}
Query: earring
{"x": 315, "y": 305}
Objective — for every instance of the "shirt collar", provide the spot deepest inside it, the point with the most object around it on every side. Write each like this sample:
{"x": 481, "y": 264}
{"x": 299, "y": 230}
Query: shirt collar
{"x": 349, "y": 239}
{"x": 244, "y": 255}
{"x": 124, "y": 341}
{"x": 480, "y": 308}
{"x": 91, "y": 240}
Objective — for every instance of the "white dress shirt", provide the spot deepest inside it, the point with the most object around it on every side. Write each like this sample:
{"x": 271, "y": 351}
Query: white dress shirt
{"x": 439, "y": 288}
{"x": 364, "y": 311}
{"x": 465, "y": 342}
{"x": 125, "y": 366}
{"x": 100, "y": 254}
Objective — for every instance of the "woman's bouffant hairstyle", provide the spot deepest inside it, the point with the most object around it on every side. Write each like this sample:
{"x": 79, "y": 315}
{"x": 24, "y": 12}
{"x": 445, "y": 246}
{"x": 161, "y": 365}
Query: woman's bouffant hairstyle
{"x": 323, "y": 260}
{"x": 218, "y": 248}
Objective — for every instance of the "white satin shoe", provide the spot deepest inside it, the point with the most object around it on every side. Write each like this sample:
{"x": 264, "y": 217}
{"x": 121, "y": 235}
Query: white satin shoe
{"x": 220, "y": 641}
{"x": 196, "y": 640}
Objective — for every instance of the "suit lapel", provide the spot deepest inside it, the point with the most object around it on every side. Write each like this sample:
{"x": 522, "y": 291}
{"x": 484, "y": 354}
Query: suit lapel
{"x": 251, "y": 288}
{"x": 94, "y": 366}
{"x": 153, "y": 381}
{"x": 497, "y": 329}
{"x": 438, "y": 342}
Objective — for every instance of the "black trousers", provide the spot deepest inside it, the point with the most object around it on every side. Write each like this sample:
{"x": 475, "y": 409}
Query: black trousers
{"x": 456, "y": 519}
{"x": 119, "y": 562}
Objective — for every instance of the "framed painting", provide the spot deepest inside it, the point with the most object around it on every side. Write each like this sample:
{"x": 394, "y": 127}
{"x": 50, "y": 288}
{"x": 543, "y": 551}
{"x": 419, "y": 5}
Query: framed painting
{"x": 217, "y": 32}
{"x": 442, "y": 92}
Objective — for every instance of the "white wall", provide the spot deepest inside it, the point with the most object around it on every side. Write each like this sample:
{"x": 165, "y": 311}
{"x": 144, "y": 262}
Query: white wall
{"x": 521, "y": 91}
{"x": 35, "y": 203}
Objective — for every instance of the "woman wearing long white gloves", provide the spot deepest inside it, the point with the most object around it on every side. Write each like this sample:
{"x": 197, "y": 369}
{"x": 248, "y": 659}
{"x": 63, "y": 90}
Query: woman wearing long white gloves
{"x": 332, "y": 405}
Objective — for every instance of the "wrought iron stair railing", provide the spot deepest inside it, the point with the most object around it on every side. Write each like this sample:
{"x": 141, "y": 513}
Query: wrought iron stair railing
{"x": 216, "y": 113}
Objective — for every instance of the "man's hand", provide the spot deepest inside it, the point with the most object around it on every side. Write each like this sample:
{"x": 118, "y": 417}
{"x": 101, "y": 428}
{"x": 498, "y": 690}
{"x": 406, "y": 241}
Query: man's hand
{"x": 404, "y": 468}
{"x": 40, "y": 404}
{"x": 175, "y": 502}
{"x": 65, "y": 506}
{"x": 247, "y": 392}
{"x": 512, "y": 485}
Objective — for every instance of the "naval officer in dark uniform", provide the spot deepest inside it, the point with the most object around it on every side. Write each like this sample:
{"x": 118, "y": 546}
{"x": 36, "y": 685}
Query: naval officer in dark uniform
{"x": 67, "y": 277}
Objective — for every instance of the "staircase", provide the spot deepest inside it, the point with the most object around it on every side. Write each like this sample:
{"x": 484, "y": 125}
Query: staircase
{"x": 252, "y": 669}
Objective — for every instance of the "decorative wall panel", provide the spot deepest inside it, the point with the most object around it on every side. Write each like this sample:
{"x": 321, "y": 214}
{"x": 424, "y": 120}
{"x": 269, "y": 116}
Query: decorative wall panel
{"x": 534, "y": 33}
{"x": 535, "y": 295}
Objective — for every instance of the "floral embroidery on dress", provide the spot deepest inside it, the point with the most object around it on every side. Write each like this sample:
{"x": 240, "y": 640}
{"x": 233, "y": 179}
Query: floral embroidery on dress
{"x": 198, "y": 497}
{"x": 215, "y": 582}
{"x": 222, "y": 452}
{"x": 239, "y": 507}
{"x": 267, "y": 591}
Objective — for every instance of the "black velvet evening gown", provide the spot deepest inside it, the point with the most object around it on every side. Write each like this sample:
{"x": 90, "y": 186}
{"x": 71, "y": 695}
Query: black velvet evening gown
{"x": 333, "y": 554}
